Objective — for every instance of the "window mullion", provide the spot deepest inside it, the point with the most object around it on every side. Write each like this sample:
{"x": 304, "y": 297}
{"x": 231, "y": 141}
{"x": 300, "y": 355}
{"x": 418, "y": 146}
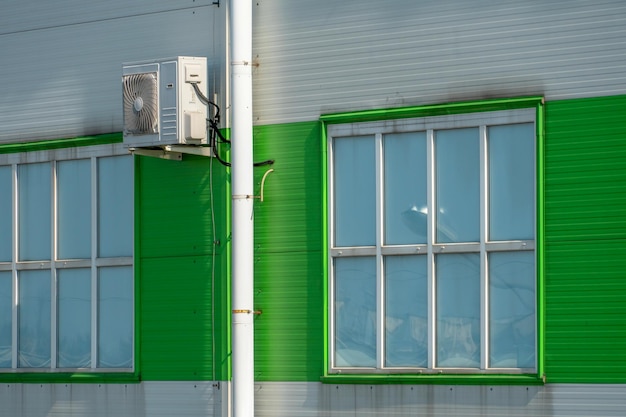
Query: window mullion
{"x": 14, "y": 254}
{"x": 484, "y": 221}
{"x": 53, "y": 273}
{"x": 380, "y": 286}
{"x": 430, "y": 219}
{"x": 94, "y": 270}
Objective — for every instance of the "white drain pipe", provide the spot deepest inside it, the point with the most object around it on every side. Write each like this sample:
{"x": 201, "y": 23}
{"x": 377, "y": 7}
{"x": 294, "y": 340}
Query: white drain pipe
{"x": 242, "y": 209}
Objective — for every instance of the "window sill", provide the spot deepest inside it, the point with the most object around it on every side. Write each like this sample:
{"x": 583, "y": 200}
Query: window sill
{"x": 70, "y": 377}
{"x": 435, "y": 379}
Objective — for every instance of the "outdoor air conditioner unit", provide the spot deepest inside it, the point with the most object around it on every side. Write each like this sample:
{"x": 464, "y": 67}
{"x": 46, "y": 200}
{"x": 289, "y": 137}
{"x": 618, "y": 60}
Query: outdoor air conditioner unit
{"x": 161, "y": 106}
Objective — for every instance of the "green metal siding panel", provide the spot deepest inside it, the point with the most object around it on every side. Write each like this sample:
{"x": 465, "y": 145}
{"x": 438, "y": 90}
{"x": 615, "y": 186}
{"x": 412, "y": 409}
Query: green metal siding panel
{"x": 585, "y": 240}
{"x": 175, "y": 255}
{"x": 176, "y": 326}
{"x": 288, "y": 258}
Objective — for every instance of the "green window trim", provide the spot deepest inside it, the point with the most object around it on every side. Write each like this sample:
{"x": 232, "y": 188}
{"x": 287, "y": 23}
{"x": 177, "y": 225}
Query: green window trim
{"x": 434, "y": 379}
{"x": 45, "y": 145}
{"x": 536, "y": 102}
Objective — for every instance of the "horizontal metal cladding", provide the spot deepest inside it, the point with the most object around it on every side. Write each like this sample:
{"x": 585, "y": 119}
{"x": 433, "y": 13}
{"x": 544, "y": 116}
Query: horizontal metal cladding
{"x": 289, "y": 331}
{"x": 311, "y": 399}
{"x": 289, "y": 218}
{"x": 585, "y": 240}
{"x": 175, "y": 197}
{"x": 288, "y": 254}
{"x": 120, "y": 400}
{"x": 286, "y": 399}
{"x": 182, "y": 278}
{"x": 62, "y": 66}
{"x": 328, "y": 56}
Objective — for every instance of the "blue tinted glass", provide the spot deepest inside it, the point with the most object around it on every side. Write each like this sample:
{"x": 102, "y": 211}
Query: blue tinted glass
{"x": 405, "y": 188}
{"x": 74, "y": 318}
{"x": 355, "y": 191}
{"x": 115, "y": 206}
{"x": 74, "y": 209}
{"x": 5, "y": 319}
{"x": 115, "y": 317}
{"x": 457, "y": 165}
{"x": 406, "y": 311}
{"x": 512, "y": 319}
{"x": 34, "y": 319}
{"x": 34, "y": 204}
{"x": 458, "y": 310}
{"x": 511, "y": 182}
{"x": 355, "y": 312}
{"x": 6, "y": 214}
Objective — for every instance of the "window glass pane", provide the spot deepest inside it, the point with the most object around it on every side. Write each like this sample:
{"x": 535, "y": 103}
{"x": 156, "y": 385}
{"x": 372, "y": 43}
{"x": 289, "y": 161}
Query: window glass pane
{"x": 74, "y": 318}
{"x": 5, "y": 318}
{"x": 34, "y": 211}
{"x": 511, "y": 182}
{"x": 458, "y": 310}
{"x": 115, "y": 206}
{"x": 5, "y": 214}
{"x": 34, "y": 319}
{"x": 74, "y": 212}
{"x": 406, "y": 311}
{"x": 355, "y": 312}
{"x": 512, "y": 309}
{"x": 405, "y": 188}
{"x": 115, "y": 317}
{"x": 457, "y": 156}
{"x": 355, "y": 191}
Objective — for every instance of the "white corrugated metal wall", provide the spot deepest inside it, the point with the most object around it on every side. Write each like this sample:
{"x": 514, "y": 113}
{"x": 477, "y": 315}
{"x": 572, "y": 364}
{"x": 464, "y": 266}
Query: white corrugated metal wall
{"x": 328, "y": 56}
{"x": 62, "y": 61}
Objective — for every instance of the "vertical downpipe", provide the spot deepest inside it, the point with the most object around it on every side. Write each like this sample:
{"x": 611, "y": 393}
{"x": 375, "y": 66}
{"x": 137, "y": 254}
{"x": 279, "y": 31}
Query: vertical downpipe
{"x": 242, "y": 209}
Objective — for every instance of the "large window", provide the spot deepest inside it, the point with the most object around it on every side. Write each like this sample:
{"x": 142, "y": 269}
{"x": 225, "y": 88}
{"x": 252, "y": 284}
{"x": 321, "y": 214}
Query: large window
{"x": 66, "y": 260}
{"x": 432, "y": 244}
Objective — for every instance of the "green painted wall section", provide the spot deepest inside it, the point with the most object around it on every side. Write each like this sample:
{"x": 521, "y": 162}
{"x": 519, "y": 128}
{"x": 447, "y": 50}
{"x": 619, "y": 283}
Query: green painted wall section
{"x": 585, "y": 240}
{"x": 182, "y": 332}
{"x": 585, "y": 243}
{"x": 288, "y": 258}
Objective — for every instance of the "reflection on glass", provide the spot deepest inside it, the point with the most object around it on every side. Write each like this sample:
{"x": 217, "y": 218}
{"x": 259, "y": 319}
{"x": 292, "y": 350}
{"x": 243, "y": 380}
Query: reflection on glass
{"x": 458, "y": 310}
{"x": 355, "y": 191}
{"x": 512, "y": 310}
{"x": 458, "y": 185}
{"x": 34, "y": 319}
{"x": 74, "y": 318}
{"x": 5, "y": 319}
{"x": 34, "y": 211}
{"x": 5, "y": 213}
{"x": 406, "y": 314}
{"x": 74, "y": 212}
{"x": 115, "y": 206}
{"x": 355, "y": 312}
{"x": 115, "y": 317}
{"x": 511, "y": 181}
{"x": 405, "y": 188}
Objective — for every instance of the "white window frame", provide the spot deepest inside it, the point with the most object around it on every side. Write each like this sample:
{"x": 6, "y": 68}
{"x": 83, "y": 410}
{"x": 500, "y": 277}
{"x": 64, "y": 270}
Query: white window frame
{"x": 92, "y": 153}
{"x": 429, "y": 125}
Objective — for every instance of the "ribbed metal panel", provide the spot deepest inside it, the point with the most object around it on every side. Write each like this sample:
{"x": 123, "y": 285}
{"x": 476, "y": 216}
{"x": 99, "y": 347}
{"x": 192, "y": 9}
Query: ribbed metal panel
{"x": 156, "y": 399}
{"x": 328, "y": 56}
{"x": 161, "y": 399}
{"x": 179, "y": 332}
{"x": 314, "y": 399}
{"x": 288, "y": 254}
{"x": 62, "y": 60}
{"x": 585, "y": 240}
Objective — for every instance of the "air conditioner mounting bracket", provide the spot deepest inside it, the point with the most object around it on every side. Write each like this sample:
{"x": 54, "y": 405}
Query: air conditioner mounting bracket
{"x": 172, "y": 152}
